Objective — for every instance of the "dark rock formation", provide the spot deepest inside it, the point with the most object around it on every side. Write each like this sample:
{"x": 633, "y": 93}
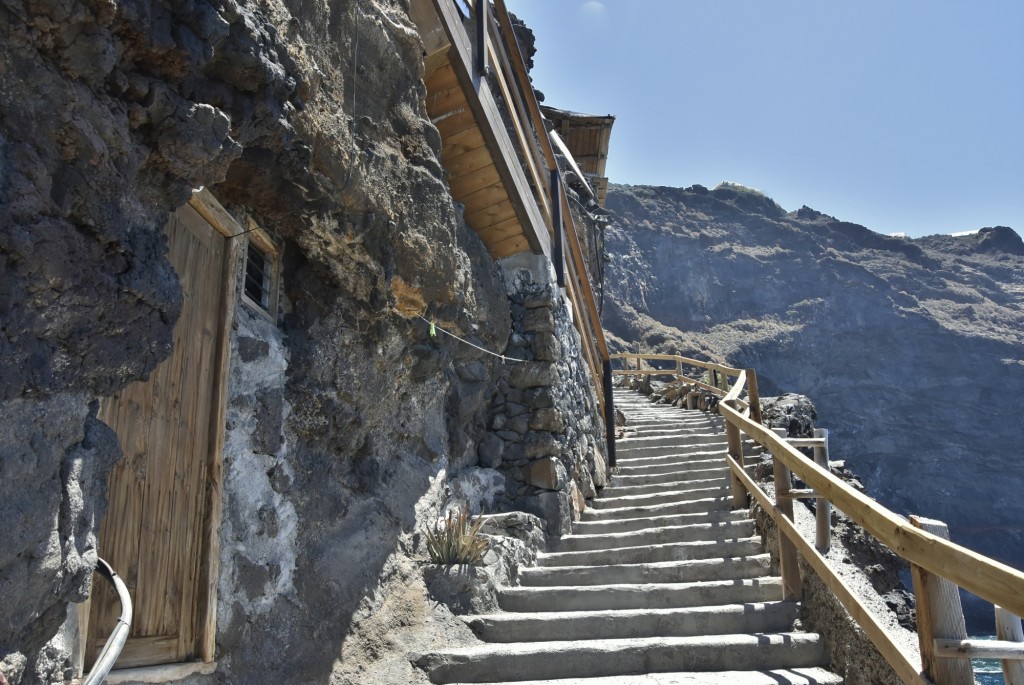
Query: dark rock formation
{"x": 346, "y": 416}
{"x": 911, "y": 349}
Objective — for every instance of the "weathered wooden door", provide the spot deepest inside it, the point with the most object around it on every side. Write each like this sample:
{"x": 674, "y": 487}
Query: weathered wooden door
{"x": 154, "y": 530}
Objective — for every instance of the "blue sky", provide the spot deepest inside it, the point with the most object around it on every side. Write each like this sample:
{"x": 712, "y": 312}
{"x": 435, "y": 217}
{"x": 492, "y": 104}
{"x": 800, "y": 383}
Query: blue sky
{"x": 903, "y": 115}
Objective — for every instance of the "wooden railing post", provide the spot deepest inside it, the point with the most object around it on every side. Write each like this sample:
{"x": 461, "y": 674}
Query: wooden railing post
{"x": 792, "y": 588}
{"x": 1008, "y": 628}
{"x": 735, "y": 441}
{"x": 822, "y": 507}
{"x": 753, "y": 396}
{"x": 939, "y": 615}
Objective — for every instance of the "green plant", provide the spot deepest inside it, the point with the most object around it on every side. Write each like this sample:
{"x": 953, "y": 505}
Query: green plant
{"x": 456, "y": 540}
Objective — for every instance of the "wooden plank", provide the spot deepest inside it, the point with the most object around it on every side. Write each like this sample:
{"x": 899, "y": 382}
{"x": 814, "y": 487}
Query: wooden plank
{"x": 461, "y": 143}
{"x": 469, "y": 162}
{"x": 939, "y": 615}
{"x": 165, "y": 673}
{"x": 441, "y": 102}
{"x": 806, "y": 442}
{"x": 501, "y": 231}
{"x": 789, "y": 566}
{"x": 485, "y": 197}
{"x": 492, "y": 126}
{"x": 510, "y": 246}
{"x": 145, "y": 651}
{"x": 822, "y": 507}
{"x": 491, "y": 215}
{"x": 466, "y": 185}
{"x": 989, "y": 579}
{"x": 1008, "y": 628}
{"x": 455, "y": 121}
{"x": 442, "y": 78}
{"x": 735, "y": 446}
{"x": 904, "y": 665}
{"x": 963, "y": 650}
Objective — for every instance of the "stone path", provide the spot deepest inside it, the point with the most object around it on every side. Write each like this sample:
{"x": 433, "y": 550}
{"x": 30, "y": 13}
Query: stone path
{"x": 659, "y": 584}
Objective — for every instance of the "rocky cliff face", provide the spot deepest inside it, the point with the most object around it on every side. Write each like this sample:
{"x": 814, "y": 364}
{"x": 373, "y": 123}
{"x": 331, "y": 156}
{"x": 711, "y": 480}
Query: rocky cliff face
{"x": 913, "y": 350}
{"x": 346, "y": 419}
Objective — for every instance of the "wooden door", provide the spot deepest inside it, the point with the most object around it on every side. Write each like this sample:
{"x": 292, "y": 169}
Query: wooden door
{"x": 156, "y": 522}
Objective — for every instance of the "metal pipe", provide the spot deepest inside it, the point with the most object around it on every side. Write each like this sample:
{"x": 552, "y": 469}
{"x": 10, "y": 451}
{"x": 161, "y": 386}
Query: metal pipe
{"x": 115, "y": 643}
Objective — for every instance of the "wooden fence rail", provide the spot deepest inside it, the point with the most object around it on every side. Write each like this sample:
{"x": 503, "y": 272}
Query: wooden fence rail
{"x": 929, "y": 553}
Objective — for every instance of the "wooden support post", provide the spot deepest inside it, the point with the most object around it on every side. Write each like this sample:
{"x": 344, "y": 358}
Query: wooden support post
{"x": 713, "y": 377}
{"x": 609, "y": 411}
{"x": 735, "y": 442}
{"x": 822, "y": 507}
{"x": 792, "y": 588}
{"x": 753, "y": 396}
{"x": 691, "y": 399}
{"x": 939, "y": 615}
{"x": 1008, "y": 628}
{"x": 482, "y": 18}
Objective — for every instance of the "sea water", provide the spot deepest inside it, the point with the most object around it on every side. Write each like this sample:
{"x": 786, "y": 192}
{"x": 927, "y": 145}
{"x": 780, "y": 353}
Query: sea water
{"x": 987, "y": 671}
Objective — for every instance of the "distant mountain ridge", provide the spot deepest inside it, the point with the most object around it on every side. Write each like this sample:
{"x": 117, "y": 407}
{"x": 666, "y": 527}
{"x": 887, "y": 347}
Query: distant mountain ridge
{"x": 912, "y": 349}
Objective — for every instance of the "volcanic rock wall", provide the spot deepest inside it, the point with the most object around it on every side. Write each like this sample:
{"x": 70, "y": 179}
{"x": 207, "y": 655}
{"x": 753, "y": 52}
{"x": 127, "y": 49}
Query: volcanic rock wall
{"x": 346, "y": 417}
{"x": 911, "y": 349}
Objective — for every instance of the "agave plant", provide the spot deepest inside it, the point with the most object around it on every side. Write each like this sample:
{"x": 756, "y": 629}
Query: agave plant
{"x": 456, "y": 540}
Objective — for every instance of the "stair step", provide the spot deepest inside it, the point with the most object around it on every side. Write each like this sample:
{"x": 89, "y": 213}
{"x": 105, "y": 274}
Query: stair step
{"x": 620, "y": 485}
{"x": 674, "y": 551}
{"x": 701, "y": 456}
{"x": 656, "y": 536}
{"x": 757, "y": 617}
{"x": 778, "y": 676}
{"x": 640, "y": 596}
{"x": 709, "y": 503}
{"x": 697, "y": 489}
{"x": 589, "y": 658}
{"x": 628, "y": 525}
{"x": 693, "y": 571}
{"x": 679, "y": 466}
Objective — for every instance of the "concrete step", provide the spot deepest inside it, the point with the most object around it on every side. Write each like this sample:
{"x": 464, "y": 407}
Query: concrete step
{"x": 687, "y": 457}
{"x": 721, "y": 530}
{"x": 717, "y": 447}
{"x": 682, "y": 465}
{"x": 524, "y": 661}
{"x": 757, "y": 617}
{"x": 710, "y": 502}
{"x": 663, "y": 482}
{"x": 640, "y": 596}
{"x": 627, "y": 525}
{"x": 778, "y": 676}
{"x": 673, "y": 551}
{"x": 754, "y": 566}
{"x": 696, "y": 489}
{"x": 681, "y": 438}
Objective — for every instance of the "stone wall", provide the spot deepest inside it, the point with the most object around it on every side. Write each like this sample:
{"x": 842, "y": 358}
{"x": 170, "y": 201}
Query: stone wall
{"x": 546, "y": 435}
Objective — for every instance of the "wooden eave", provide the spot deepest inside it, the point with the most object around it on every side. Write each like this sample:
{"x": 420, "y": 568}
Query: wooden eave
{"x": 484, "y": 171}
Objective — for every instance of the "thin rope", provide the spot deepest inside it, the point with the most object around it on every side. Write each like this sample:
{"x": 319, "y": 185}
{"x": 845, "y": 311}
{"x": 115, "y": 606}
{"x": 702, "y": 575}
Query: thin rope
{"x": 434, "y": 327}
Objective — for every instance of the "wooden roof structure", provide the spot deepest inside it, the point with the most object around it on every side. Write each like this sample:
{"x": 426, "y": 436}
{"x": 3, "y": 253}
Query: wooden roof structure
{"x": 505, "y": 200}
{"x": 587, "y": 137}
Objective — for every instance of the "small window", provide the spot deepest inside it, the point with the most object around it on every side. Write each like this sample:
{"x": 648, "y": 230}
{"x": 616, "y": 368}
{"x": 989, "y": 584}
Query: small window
{"x": 259, "y": 287}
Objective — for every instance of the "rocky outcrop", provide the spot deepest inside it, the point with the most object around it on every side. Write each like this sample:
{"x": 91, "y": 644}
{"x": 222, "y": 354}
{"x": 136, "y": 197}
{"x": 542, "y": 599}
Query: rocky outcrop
{"x": 911, "y": 349}
{"x": 346, "y": 417}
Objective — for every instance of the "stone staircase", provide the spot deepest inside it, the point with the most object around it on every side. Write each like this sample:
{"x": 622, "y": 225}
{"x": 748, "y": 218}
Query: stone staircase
{"x": 659, "y": 584}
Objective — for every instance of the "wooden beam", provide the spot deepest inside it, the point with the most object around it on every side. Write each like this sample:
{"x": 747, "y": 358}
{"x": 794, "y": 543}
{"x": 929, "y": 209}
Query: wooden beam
{"x": 939, "y": 615}
{"x": 989, "y": 579}
{"x": 822, "y": 507}
{"x": 1008, "y": 629}
{"x": 978, "y": 649}
{"x": 488, "y": 116}
{"x": 464, "y": 186}
{"x": 903, "y": 664}
{"x": 508, "y": 247}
